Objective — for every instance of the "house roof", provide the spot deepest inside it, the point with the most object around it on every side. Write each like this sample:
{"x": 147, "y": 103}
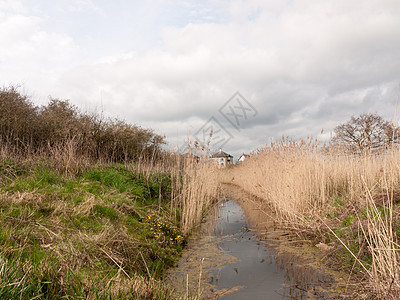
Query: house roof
{"x": 220, "y": 153}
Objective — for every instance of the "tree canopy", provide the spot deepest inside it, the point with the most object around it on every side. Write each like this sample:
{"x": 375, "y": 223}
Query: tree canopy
{"x": 366, "y": 132}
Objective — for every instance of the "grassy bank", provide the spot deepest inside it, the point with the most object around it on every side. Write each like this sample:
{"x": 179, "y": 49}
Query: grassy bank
{"x": 90, "y": 207}
{"x": 106, "y": 232}
{"x": 348, "y": 205}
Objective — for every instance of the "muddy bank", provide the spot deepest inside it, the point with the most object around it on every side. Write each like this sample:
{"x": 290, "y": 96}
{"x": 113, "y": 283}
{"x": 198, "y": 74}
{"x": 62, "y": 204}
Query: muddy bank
{"x": 239, "y": 253}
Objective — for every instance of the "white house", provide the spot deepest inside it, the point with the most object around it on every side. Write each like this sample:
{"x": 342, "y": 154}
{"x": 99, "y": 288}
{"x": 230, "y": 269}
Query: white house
{"x": 222, "y": 159}
{"x": 243, "y": 157}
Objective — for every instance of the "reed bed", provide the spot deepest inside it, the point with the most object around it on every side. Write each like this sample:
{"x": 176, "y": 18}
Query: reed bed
{"x": 349, "y": 201}
{"x": 199, "y": 189}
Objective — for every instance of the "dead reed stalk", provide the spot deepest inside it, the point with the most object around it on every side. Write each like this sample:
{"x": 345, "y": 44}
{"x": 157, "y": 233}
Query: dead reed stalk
{"x": 304, "y": 184}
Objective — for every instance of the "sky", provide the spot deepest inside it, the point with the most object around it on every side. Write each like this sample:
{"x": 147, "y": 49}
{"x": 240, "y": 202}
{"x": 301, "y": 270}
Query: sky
{"x": 251, "y": 71}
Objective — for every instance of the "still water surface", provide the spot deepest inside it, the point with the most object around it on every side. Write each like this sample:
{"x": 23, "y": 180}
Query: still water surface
{"x": 230, "y": 262}
{"x": 254, "y": 268}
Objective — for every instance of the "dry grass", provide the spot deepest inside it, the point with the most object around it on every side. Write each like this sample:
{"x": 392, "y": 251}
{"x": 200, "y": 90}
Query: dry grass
{"x": 80, "y": 224}
{"x": 83, "y": 234}
{"x": 199, "y": 187}
{"x": 85, "y": 222}
{"x": 332, "y": 194}
{"x": 64, "y": 201}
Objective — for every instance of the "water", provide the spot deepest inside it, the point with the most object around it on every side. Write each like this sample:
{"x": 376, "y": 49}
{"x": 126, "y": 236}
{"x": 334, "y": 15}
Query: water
{"x": 254, "y": 269}
{"x": 227, "y": 261}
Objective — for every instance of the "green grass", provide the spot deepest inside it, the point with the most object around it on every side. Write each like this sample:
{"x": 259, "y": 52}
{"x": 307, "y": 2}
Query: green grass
{"x": 106, "y": 211}
{"x": 337, "y": 202}
{"x": 347, "y": 221}
{"x": 126, "y": 181}
{"x": 84, "y": 236}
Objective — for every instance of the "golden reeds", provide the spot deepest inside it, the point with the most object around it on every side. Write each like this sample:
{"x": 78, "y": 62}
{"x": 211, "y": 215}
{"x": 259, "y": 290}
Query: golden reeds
{"x": 302, "y": 181}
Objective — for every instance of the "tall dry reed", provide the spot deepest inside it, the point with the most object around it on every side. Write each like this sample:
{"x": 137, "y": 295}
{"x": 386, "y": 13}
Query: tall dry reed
{"x": 196, "y": 186}
{"x": 302, "y": 181}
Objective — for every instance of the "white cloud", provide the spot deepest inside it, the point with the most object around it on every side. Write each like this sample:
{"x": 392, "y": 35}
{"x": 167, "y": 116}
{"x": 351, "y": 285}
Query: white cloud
{"x": 31, "y": 54}
{"x": 15, "y": 6}
{"x": 83, "y": 5}
{"x": 303, "y": 65}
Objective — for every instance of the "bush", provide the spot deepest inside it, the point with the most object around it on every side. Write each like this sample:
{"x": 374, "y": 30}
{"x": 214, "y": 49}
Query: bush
{"x": 61, "y": 129}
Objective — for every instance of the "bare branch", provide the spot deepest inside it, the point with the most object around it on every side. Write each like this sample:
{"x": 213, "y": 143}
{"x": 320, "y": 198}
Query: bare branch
{"x": 366, "y": 132}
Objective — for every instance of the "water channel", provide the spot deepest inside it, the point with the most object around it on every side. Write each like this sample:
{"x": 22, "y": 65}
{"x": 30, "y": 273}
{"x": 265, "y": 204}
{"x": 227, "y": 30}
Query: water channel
{"x": 226, "y": 260}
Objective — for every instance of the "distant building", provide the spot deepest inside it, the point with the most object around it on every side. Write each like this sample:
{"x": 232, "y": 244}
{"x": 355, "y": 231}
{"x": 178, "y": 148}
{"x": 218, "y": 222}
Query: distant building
{"x": 243, "y": 157}
{"x": 222, "y": 159}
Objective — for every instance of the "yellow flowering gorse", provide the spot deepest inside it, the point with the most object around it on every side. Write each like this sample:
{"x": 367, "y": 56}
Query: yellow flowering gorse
{"x": 163, "y": 230}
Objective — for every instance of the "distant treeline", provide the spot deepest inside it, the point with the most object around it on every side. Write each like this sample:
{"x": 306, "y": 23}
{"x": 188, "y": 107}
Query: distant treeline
{"x": 60, "y": 126}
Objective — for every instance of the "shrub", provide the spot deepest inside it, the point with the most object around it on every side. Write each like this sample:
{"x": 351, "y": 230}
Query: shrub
{"x": 60, "y": 130}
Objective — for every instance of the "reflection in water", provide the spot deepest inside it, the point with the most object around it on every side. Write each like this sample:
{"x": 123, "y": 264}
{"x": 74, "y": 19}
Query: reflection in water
{"x": 254, "y": 268}
{"x": 230, "y": 262}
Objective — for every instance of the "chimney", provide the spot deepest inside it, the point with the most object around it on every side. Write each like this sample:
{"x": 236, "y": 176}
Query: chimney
{"x": 220, "y": 150}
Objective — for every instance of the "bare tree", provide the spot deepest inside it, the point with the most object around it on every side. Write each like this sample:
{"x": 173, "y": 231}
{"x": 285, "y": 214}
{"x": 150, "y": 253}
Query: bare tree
{"x": 366, "y": 132}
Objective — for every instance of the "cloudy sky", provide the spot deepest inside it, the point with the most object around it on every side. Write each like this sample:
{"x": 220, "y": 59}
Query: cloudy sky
{"x": 176, "y": 66}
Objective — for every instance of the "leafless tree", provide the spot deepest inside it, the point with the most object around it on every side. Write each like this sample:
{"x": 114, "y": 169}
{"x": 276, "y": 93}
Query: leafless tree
{"x": 366, "y": 132}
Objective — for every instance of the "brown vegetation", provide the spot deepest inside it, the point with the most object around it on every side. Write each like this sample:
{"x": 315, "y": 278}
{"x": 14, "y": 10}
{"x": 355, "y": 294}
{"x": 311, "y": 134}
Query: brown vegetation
{"x": 90, "y": 207}
{"x": 366, "y": 132}
{"x": 347, "y": 202}
{"x": 28, "y": 129}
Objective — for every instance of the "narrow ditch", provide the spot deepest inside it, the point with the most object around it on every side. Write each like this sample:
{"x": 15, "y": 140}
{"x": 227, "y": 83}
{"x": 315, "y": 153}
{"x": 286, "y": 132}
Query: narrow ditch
{"x": 226, "y": 260}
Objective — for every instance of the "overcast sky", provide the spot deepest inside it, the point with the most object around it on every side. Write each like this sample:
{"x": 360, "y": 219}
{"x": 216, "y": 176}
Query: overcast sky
{"x": 175, "y": 66}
